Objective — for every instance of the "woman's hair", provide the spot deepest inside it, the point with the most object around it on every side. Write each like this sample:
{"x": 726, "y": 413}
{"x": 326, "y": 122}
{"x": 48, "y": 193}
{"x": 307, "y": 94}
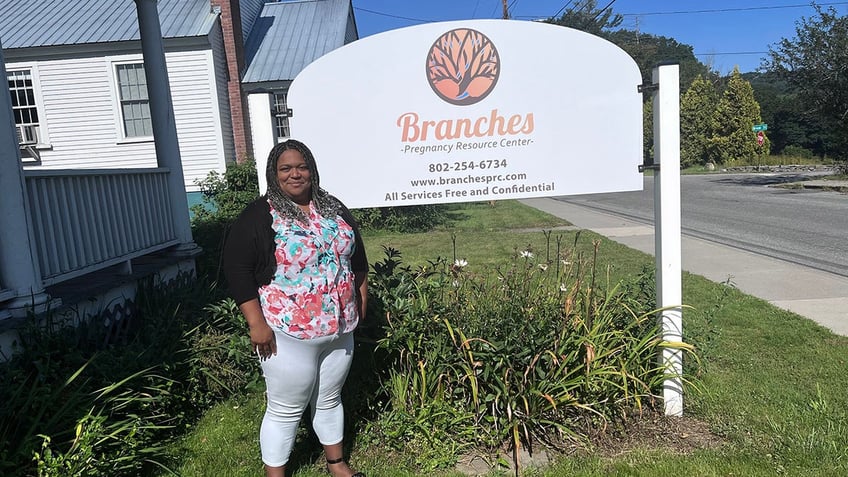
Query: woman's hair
{"x": 327, "y": 205}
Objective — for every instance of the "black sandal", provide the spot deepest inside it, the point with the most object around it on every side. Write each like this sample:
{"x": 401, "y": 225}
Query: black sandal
{"x": 339, "y": 461}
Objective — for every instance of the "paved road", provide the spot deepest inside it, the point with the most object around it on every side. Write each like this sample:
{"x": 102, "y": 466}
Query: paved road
{"x": 810, "y": 292}
{"x": 747, "y": 211}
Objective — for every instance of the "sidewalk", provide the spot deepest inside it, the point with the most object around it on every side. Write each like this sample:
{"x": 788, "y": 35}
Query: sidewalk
{"x": 817, "y": 295}
{"x": 837, "y": 185}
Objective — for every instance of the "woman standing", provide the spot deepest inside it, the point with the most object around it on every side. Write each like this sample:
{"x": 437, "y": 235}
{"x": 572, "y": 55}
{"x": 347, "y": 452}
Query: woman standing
{"x": 296, "y": 267}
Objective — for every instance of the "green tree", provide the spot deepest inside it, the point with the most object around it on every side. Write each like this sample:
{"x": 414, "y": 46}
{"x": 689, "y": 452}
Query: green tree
{"x": 790, "y": 124}
{"x": 734, "y": 118}
{"x": 697, "y": 121}
{"x": 649, "y": 50}
{"x": 815, "y": 63}
{"x": 586, "y": 16}
{"x": 225, "y": 195}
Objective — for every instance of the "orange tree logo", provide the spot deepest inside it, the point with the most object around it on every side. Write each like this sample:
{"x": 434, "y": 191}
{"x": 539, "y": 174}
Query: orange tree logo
{"x": 463, "y": 66}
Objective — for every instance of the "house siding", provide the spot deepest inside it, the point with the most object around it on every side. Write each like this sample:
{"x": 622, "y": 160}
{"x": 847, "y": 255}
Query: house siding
{"x": 81, "y": 115}
{"x": 197, "y": 119}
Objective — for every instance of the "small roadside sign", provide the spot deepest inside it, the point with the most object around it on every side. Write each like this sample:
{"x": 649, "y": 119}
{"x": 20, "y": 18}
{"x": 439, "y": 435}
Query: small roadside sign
{"x": 760, "y": 127}
{"x": 761, "y": 138}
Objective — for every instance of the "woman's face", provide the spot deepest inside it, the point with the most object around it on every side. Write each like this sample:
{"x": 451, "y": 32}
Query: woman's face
{"x": 294, "y": 177}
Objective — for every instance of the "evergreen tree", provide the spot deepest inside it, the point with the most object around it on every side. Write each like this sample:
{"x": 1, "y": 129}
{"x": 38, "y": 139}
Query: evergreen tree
{"x": 697, "y": 121}
{"x": 649, "y": 50}
{"x": 734, "y": 118}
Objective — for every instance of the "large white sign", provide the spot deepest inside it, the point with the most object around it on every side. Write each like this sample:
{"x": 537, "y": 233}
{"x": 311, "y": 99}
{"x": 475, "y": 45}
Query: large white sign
{"x": 471, "y": 110}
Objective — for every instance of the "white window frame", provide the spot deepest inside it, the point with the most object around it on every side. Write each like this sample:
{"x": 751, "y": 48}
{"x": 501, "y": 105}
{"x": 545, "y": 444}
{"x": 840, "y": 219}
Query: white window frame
{"x": 120, "y": 124}
{"x": 279, "y": 114}
{"x": 43, "y": 138}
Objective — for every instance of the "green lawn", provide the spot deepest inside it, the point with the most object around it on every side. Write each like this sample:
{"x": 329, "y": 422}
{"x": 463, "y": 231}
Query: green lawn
{"x": 774, "y": 385}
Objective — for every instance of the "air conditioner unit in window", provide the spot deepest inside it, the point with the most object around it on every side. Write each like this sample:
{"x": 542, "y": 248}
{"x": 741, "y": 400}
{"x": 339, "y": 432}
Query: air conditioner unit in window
{"x": 282, "y": 113}
{"x": 27, "y": 134}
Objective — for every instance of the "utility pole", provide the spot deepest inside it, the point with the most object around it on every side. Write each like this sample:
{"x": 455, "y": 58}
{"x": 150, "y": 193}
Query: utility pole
{"x": 637, "y": 29}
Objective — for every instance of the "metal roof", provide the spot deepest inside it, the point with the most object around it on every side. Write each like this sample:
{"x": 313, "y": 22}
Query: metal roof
{"x": 289, "y": 35}
{"x": 28, "y": 23}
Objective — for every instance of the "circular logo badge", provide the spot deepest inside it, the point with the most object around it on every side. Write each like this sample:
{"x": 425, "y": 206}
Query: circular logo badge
{"x": 463, "y": 66}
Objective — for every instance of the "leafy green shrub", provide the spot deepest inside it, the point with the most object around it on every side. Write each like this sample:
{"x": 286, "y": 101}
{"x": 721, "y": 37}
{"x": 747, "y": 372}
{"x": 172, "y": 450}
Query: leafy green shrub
{"x": 797, "y": 151}
{"x": 85, "y": 404}
{"x": 415, "y": 218}
{"x": 225, "y": 195}
{"x": 220, "y": 363}
{"x": 536, "y": 351}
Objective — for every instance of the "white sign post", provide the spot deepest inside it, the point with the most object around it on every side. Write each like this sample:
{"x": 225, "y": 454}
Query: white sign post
{"x": 667, "y": 217}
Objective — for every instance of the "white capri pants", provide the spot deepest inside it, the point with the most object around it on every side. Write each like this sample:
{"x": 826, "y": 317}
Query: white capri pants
{"x": 304, "y": 372}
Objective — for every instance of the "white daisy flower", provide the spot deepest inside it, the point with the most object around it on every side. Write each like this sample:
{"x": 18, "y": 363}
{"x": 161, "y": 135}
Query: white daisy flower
{"x": 460, "y": 262}
{"x": 527, "y": 254}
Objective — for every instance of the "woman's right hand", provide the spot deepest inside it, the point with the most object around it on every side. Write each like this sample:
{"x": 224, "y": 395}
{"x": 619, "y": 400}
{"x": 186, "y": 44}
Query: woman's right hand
{"x": 263, "y": 341}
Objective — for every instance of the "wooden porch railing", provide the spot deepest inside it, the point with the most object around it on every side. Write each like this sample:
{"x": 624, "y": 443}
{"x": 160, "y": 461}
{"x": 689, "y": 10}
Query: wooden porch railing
{"x": 86, "y": 220}
{"x": 5, "y": 294}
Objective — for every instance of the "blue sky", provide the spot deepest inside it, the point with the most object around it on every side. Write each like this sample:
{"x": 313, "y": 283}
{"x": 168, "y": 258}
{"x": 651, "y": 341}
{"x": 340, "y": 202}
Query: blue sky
{"x": 724, "y": 33}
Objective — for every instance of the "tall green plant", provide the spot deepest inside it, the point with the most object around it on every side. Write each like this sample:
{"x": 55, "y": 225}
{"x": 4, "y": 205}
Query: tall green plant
{"x": 735, "y": 116}
{"x": 225, "y": 195}
{"x": 814, "y": 64}
{"x": 84, "y": 405}
{"x": 697, "y": 121}
{"x": 526, "y": 353}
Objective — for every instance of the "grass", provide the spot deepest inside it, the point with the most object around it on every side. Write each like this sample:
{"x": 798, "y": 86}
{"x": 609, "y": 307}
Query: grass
{"x": 773, "y": 382}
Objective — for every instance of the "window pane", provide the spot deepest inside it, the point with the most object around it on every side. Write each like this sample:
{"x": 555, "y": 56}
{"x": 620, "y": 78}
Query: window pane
{"x": 24, "y": 106}
{"x": 135, "y": 108}
{"x": 281, "y": 120}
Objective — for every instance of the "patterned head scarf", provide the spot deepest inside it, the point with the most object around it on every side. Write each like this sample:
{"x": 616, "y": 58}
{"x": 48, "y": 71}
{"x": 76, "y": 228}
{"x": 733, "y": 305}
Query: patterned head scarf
{"x": 326, "y": 205}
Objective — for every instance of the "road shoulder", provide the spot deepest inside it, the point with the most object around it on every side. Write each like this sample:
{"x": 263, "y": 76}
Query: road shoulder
{"x": 818, "y": 295}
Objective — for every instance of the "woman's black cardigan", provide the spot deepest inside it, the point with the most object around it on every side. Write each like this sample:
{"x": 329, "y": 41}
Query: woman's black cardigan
{"x": 249, "y": 251}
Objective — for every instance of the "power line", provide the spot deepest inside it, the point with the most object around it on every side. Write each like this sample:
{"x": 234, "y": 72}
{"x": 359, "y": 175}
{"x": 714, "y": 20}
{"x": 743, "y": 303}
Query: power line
{"x": 741, "y": 9}
{"x": 717, "y": 10}
{"x": 562, "y": 9}
{"x": 678, "y": 12}
{"x": 733, "y": 53}
{"x": 399, "y": 17}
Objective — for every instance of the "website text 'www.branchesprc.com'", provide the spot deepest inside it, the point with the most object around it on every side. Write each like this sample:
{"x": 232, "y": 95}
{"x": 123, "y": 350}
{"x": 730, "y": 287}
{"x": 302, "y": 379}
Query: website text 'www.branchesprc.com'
{"x": 468, "y": 179}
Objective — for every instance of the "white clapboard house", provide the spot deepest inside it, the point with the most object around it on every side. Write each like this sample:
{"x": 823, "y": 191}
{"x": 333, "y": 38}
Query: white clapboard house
{"x": 77, "y": 77}
{"x": 90, "y": 197}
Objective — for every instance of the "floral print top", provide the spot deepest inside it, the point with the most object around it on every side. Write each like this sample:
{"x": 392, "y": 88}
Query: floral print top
{"x": 312, "y": 293}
